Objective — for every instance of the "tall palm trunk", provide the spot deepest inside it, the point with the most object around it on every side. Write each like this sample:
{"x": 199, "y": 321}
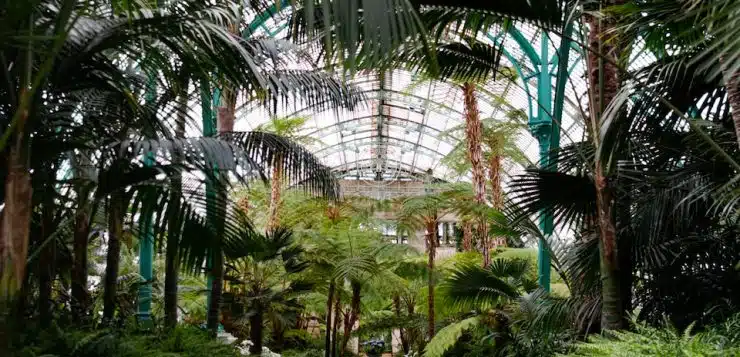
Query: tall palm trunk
{"x": 473, "y": 136}
{"x": 335, "y": 325}
{"x": 603, "y": 87}
{"x": 16, "y": 219}
{"x": 431, "y": 237}
{"x": 354, "y": 314}
{"x": 172, "y": 258}
{"x": 226, "y": 113}
{"x": 273, "y": 220}
{"x": 113, "y": 256}
{"x": 329, "y": 300}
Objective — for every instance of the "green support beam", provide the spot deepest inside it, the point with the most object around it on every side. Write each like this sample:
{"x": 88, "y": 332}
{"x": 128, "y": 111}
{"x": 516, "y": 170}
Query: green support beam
{"x": 546, "y": 128}
{"x": 146, "y": 257}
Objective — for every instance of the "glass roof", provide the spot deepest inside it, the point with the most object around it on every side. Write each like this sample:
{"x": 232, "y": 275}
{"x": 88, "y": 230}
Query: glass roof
{"x": 397, "y": 132}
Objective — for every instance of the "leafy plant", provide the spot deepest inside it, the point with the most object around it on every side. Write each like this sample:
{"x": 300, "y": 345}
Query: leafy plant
{"x": 652, "y": 341}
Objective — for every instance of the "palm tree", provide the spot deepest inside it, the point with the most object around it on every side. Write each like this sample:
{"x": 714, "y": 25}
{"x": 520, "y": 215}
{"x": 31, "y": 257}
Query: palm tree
{"x": 484, "y": 290}
{"x": 423, "y": 212}
{"x": 604, "y": 82}
{"x": 289, "y": 128}
{"x": 259, "y": 278}
{"x": 499, "y": 141}
{"x": 466, "y": 61}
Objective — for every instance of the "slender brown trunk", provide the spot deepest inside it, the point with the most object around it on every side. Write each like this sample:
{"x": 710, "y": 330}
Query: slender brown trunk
{"x": 329, "y": 300}
{"x": 431, "y": 247}
{"x": 335, "y": 325}
{"x": 473, "y": 136}
{"x": 113, "y": 257}
{"x": 255, "y": 332}
{"x": 354, "y": 314}
{"x": 273, "y": 220}
{"x": 16, "y": 220}
{"x": 603, "y": 87}
{"x": 401, "y": 332}
{"x": 172, "y": 253}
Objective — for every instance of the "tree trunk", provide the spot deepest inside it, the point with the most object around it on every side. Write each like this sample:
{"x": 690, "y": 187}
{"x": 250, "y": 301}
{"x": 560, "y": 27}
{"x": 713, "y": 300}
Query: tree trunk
{"x": 354, "y": 313}
{"x": 273, "y": 220}
{"x": 172, "y": 254}
{"x": 497, "y": 196}
{"x": 401, "y": 332}
{"x": 603, "y": 87}
{"x": 467, "y": 229}
{"x": 733, "y": 95}
{"x": 473, "y": 136}
{"x": 80, "y": 306}
{"x": 329, "y": 300}
{"x": 255, "y": 332}
{"x": 16, "y": 220}
{"x": 431, "y": 247}
{"x": 80, "y": 296}
{"x": 48, "y": 256}
{"x": 113, "y": 256}
{"x": 226, "y": 119}
{"x": 335, "y": 326}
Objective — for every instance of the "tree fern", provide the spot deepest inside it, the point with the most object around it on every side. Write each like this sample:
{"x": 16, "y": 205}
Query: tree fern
{"x": 448, "y": 336}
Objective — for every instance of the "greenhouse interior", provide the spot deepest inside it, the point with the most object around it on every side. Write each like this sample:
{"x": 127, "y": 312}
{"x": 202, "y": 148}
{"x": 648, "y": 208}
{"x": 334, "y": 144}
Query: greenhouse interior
{"x": 331, "y": 178}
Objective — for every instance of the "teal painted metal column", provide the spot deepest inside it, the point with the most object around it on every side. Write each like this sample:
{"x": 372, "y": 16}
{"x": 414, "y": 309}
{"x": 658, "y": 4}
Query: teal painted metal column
{"x": 146, "y": 235}
{"x": 546, "y": 128}
{"x": 146, "y": 256}
{"x": 542, "y": 127}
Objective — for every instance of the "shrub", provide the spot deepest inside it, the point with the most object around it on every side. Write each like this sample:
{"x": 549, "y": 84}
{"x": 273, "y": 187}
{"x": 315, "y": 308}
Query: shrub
{"x": 183, "y": 341}
{"x": 664, "y": 342}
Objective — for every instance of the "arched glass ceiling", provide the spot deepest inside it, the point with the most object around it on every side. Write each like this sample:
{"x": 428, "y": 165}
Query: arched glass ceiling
{"x": 397, "y": 133}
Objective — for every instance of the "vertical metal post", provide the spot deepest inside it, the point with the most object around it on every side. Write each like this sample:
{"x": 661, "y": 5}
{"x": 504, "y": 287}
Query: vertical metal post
{"x": 542, "y": 128}
{"x": 146, "y": 255}
{"x": 146, "y": 235}
{"x": 546, "y": 128}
